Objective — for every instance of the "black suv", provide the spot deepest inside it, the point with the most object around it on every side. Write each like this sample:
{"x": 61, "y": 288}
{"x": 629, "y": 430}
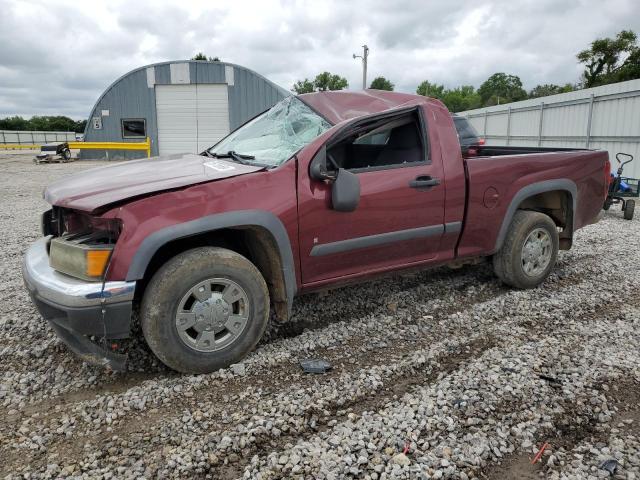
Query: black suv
{"x": 466, "y": 133}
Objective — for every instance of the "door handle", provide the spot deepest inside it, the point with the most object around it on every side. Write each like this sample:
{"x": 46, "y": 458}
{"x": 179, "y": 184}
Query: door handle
{"x": 424, "y": 182}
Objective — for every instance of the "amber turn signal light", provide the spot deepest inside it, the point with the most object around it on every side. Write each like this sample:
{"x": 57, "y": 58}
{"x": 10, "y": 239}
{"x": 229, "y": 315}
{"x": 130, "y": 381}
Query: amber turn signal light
{"x": 97, "y": 261}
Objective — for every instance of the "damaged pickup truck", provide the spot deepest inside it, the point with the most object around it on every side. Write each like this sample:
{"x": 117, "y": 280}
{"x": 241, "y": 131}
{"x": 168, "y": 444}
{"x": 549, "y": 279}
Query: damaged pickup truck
{"x": 322, "y": 189}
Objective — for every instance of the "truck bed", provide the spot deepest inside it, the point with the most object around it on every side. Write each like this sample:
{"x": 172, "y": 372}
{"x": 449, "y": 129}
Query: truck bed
{"x": 499, "y": 175}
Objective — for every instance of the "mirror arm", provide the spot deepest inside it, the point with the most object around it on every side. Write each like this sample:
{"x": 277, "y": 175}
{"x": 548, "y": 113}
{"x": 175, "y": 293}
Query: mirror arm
{"x": 330, "y": 176}
{"x": 318, "y": 168}
{"x": 333, "y": 162}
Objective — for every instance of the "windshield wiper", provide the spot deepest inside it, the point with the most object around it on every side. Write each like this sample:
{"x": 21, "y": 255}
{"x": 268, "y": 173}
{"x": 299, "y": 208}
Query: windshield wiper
{"x": 238, "y": 157}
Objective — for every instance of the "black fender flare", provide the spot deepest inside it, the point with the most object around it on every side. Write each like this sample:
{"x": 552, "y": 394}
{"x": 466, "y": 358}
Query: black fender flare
{"x": 563, "y": 184}
{"x": 210, "y": 223}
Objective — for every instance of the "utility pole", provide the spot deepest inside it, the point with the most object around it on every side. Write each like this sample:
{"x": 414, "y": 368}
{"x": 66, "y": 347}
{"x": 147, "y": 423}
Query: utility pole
{"x": 365, "y": 54}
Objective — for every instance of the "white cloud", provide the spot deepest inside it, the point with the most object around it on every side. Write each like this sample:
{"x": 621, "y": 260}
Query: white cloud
{"x": 56, "y": 57}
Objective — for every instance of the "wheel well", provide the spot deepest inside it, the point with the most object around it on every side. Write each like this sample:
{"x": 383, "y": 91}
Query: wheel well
{"x": 253, "y": 242}
{"x": 557, "y": 204}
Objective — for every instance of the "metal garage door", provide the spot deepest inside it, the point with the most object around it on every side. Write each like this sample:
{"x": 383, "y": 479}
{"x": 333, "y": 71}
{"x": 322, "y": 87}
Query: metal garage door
{"x": 213, "y": 114}
{"x": 191, "y": 117}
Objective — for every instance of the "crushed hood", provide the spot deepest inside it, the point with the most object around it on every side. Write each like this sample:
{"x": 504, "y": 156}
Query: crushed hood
{"x": 96, "y": 188}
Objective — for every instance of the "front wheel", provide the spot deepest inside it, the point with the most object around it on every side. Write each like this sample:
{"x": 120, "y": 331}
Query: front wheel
{"x": 629, "y": 207}
{"x": 529, "y": 251}
{"x": 205, "y": 309}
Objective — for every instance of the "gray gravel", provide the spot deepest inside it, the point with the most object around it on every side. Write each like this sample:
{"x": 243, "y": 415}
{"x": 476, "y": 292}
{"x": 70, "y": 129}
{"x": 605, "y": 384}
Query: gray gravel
{"x": 441, "y": 374}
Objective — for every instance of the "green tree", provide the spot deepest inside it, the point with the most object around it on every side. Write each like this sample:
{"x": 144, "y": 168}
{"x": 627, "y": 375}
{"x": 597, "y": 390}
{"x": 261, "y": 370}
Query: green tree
{"x": 80, "y": 127}
{"x": 324, "y": 81}
{"x": 550, "y": 89}
{"x": 501, "y": 88}
{"x": 303, "y": 86}
{"x": 610, "y": 60}
{"x": 429, "y": 89}
{"x": 461, "y": 98}
{"x": 457, "y": 99}
{"x": 14, "y": 123}
{"x": 57, "y": 123}
{"x": 381, "y": 83}
{"x": 202, "y": 56}
{"x": 630, "y": 69}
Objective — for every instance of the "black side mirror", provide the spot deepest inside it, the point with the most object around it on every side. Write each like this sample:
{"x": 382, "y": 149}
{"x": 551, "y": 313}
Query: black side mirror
{"x": 345, "y": 186}
{"x": 318, "y": 167}
{"x": 345, "y": 191}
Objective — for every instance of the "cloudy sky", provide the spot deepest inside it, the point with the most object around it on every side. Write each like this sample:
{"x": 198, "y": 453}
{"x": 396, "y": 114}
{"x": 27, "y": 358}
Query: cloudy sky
{"x": 56, "y": 57}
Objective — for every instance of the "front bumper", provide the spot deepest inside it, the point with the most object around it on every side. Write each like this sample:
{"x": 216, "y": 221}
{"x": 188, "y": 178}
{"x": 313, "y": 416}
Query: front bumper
{"x": 78, "y": 309}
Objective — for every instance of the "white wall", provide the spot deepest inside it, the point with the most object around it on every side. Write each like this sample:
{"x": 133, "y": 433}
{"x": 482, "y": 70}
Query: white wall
{"x": 606, "y": 118}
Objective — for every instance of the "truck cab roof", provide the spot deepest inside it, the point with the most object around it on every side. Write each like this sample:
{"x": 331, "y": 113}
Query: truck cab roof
{"x": 340, "y": 105}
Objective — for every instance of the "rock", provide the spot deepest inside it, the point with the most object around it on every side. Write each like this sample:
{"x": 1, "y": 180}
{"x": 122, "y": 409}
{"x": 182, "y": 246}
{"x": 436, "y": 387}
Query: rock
{"x": 401, "y": 459}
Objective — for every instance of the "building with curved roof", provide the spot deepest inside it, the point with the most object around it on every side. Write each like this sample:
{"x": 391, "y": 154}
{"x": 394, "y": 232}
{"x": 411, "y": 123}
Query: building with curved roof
{"x": 182, "y": 106}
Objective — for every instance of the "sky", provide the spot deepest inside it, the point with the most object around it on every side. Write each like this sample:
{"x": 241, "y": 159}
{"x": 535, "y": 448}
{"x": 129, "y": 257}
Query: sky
{"x": 58, "y": 56}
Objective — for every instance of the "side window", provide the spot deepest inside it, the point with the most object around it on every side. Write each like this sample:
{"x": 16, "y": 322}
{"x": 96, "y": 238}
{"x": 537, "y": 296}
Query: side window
{"x": 373, "y": 138}
{"x": 134, "y": 128}
{"x": 389, "y": 143}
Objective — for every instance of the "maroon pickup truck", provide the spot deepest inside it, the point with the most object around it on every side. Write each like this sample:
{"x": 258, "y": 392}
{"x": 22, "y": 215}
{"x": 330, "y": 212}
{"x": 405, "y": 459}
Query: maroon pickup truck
{"x": 322, "y": 189}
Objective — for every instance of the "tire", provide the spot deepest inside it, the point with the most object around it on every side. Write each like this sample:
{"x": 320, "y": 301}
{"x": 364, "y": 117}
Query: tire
{"x": 513, "y": 263}
{"x": 629, "y": 207}
{"x": 66, "y": 154}
{"x": 214, "y": 333}
{"x": 607, "y": 204}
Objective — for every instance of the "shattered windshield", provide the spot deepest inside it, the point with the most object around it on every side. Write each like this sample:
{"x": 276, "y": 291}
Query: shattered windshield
{"x": 273, "y": 137}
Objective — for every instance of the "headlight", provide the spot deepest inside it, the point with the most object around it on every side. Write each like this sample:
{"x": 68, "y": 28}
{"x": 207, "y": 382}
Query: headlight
{"x": 82, "y": 244}
{"x": 79, "y": 256}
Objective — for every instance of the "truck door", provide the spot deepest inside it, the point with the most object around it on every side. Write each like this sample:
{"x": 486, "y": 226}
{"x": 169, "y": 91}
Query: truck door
{"x": 399, "y": 220}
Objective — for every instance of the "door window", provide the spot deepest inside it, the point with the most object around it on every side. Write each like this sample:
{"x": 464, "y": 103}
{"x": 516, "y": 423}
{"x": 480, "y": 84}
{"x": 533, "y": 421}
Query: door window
{"x": 381, "y": 144}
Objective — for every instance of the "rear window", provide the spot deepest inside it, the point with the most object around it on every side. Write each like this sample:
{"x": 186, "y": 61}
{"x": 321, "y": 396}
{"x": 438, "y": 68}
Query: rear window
{"x": 464, "y": 128}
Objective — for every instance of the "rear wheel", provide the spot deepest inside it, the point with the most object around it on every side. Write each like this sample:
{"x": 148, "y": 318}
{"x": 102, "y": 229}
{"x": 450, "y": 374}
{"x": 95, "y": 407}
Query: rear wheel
{"x": 205, "y": 309}
{"x": 529, "y": 251}
{"x": 629, "y": 207}
{"x": 66, "y": 154}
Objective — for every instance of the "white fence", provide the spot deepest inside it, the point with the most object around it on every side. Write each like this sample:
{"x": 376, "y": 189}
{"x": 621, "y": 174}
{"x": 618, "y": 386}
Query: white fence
{"x": 606, "y": 118}
{"x": 35, "y": 138}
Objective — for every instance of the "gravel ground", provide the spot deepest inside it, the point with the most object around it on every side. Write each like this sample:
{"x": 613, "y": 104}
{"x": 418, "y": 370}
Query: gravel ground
{"x": 441, "y": 374}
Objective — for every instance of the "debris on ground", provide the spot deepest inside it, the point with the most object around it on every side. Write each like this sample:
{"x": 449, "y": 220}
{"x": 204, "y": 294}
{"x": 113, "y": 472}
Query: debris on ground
{"x": 610, "y": 466}
{"x": 538, "y": 456}
{"x": 552, "y": 380}
{"x": 315, "y": 365}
